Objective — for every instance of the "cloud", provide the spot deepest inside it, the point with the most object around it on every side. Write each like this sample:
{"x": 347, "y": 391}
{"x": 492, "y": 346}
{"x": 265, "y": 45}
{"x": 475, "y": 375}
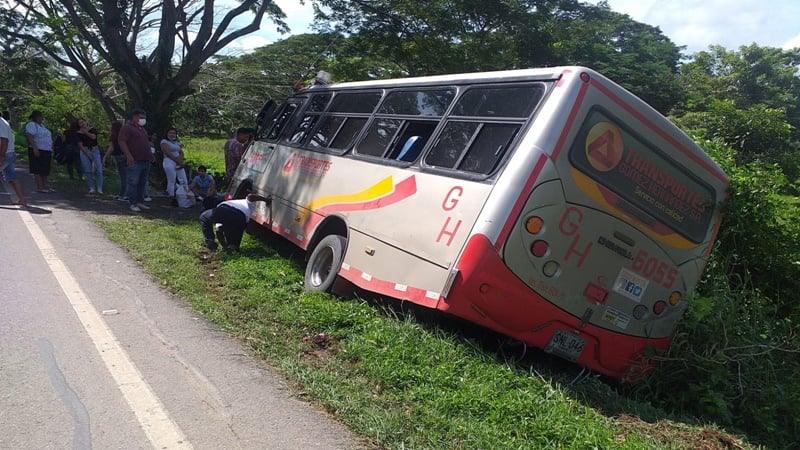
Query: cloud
{"x": 298, "y": 17}
{"x": 697, "y": 24}
{"x": 792, "y": 43}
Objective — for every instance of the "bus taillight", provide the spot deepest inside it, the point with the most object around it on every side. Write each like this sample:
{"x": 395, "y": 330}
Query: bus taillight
{"x": 539, "y": 248}
{"x": 534, "y": 224}
{"x": 658, "y": 307}
{"x": 550, "y": 269}
{"x": 674, "y": 298}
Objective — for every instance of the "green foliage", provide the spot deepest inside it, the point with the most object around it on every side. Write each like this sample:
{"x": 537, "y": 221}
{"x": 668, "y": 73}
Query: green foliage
{"x": 636, "y": 55}
{"x": 209, "y": 153}
{"x": 437, "y": 37}
{"x": 757, "y": 245}
{"x": 749, "y": 99}
{"x": 734, "y": 359}
{"x": 757, "y": 132}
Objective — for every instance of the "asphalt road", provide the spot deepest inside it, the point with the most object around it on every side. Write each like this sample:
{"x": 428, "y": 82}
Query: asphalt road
{"x": 94, "y": 354}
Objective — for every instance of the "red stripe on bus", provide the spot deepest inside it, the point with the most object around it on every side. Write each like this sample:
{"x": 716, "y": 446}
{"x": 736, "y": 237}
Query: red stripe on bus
{"x": 389, "y": 288}
{"x": 664, "y": 135}
{"x": 402, "y": 190}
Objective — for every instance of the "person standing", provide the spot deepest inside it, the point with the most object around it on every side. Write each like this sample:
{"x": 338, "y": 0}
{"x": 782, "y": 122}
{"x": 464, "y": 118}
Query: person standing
{"x": 135, "y": 145}
{"x": 8, "y": 158}
{"x": 90, "y": 156}
{"x": 119, "y": 159}
{"x": 173, "y": 161}
{"x": 40, "y": 151}
{"x": 233, "y": 216}
{"x": 72, "y": 144}
{"x": 234, "y": 149}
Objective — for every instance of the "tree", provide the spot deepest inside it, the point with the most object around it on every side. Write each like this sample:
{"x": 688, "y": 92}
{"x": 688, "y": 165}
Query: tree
{"x": 154, "y": 47}
{"x": 447, "y": 36}
{"x": 229, "y": 92}
{"x": 749, "y": 99}
{"x": 636, "y": 55}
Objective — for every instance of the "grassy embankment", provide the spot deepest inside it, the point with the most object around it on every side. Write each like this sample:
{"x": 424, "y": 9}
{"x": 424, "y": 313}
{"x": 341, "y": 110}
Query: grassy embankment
{"x": 400, "y": 377}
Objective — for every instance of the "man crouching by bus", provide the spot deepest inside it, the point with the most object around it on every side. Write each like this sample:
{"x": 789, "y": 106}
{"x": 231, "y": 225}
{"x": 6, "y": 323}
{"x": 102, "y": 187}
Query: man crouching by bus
{"x": 232, "y": 217}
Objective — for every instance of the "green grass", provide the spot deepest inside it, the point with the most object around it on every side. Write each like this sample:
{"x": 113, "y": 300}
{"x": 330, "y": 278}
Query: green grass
{"x": 401, "y": 377}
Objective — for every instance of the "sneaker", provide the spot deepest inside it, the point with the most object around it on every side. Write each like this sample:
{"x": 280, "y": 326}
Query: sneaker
{"x": 121, "y": 198}
{"x": 211, "y": 245}
{"x": 142, "y": 206}
{"x": 92, "y": 191}
{"x": 148, "y": 199}
{"x": 135, "y": 208}
{"x": 100, "y": 191}
{"x": 220, "y": 235}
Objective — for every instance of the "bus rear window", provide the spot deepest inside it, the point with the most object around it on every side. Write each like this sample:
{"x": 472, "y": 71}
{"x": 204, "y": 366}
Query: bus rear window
{"x": 499, "y": 101}
{"x": 644, "y": 176}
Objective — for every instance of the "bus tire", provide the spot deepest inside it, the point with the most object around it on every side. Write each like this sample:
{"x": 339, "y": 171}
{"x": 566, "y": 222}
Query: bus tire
{"x": 324, "y": 263}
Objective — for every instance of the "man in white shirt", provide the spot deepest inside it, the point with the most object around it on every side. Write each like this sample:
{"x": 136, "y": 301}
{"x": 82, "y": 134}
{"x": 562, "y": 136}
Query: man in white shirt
{"x": 233, "y": 216}
{"x": 8, "y": 158}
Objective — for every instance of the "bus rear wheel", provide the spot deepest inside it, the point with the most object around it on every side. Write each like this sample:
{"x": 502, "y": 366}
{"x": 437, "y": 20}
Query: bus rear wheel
{"x": 324, "y": 263}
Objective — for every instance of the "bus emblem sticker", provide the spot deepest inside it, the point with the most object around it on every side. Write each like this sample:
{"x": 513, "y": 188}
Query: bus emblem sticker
{"x": 630, "y": 285}
{"x": 604, "y": 146}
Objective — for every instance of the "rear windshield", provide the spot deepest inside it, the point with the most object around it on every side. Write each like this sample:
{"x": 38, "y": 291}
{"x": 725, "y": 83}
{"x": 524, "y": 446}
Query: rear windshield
{"x": 651, "y": 179}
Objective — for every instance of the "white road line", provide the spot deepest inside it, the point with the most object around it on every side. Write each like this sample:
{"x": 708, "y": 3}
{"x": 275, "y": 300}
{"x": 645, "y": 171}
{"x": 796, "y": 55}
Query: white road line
{"x": 156, "y": 423}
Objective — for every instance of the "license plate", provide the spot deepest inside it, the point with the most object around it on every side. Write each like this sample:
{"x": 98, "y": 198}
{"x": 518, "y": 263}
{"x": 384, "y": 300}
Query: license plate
{"x": 566, "y": 345}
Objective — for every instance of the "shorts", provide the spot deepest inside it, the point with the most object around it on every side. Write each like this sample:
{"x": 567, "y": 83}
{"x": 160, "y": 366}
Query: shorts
{"x": 9, "y": 172}
{"x": 41, "y": 165}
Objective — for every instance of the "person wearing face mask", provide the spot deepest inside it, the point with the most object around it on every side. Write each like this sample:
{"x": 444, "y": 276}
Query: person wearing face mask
{"x": 135, "y": 145}
{"x": 173, "y": 161}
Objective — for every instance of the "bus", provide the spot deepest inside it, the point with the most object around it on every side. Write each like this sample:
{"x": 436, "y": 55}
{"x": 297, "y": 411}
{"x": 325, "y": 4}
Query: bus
{"x": 550, "y": 205}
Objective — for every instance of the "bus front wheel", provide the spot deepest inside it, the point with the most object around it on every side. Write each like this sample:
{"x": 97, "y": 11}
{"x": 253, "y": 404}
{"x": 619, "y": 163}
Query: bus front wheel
{"x": 324, "y": 263}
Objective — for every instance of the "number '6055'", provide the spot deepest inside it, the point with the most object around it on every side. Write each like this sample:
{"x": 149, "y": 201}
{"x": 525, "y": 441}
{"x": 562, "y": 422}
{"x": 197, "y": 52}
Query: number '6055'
{"x": 658, "y": 271}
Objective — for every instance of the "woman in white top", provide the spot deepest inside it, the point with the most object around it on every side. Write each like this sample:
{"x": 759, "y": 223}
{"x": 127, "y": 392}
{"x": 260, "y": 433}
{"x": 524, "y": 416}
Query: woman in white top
{"x": 40, "y": 151}
{"x": 173, "y": 161}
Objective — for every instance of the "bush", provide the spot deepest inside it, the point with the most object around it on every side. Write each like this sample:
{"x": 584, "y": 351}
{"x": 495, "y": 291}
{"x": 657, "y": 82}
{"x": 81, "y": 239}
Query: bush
{"x": 734, "y": 358}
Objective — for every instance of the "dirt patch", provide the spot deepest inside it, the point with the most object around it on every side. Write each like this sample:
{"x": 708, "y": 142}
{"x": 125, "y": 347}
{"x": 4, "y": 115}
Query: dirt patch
{"x": 668, "y": 432}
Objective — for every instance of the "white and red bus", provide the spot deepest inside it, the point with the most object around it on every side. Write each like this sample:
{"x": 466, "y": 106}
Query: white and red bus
{"x": 550, "y": 205}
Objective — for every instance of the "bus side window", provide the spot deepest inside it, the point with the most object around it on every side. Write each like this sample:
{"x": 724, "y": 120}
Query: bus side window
{"x": 412, "y": 140}
{"x": 281, "y": 119}
{"x": 472, "y": 146}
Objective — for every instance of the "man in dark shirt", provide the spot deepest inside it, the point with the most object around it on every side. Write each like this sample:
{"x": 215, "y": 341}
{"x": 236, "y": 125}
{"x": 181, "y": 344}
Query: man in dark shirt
{"x": 135, "y": 145}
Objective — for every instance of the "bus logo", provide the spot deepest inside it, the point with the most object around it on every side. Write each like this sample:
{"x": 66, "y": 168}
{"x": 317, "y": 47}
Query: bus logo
{"x": 604, "y": 146}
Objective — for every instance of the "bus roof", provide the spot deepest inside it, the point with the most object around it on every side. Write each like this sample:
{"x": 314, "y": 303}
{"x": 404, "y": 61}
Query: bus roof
{"x": 504, "y": 75}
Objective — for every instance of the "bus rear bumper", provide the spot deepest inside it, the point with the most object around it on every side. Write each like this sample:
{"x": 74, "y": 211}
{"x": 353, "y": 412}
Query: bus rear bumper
{"x": 487, "y": 293}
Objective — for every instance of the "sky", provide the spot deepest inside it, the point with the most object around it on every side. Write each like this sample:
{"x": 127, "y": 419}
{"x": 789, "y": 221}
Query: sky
{"x": 695, "y": 24}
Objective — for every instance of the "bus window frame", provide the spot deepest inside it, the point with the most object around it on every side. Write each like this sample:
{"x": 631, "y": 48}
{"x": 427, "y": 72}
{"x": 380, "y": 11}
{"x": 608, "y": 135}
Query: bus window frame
{"x": 395, "y": 146}
{"x": 328, "y": 113}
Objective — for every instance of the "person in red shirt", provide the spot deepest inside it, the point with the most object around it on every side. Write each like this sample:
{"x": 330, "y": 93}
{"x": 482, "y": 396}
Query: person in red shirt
{"x": 135, "y": 145}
